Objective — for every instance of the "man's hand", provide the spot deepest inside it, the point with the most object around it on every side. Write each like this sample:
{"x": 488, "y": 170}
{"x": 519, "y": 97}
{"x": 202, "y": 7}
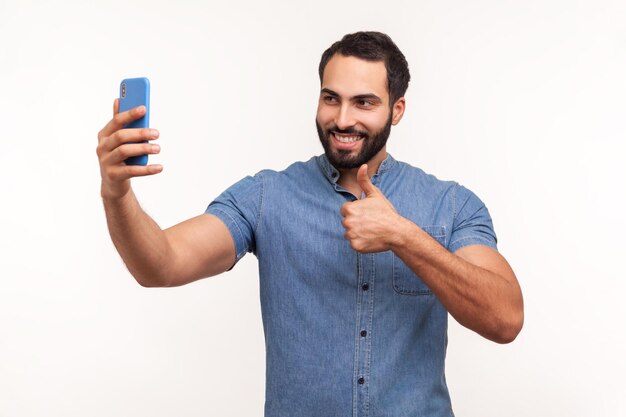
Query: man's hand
{"x": 114, "y": 147}
{"x": 371, "y": 223}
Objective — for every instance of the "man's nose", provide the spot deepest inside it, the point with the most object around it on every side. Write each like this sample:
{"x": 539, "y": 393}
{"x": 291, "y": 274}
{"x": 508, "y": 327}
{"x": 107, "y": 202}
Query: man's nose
{"x": 344, "y": 117}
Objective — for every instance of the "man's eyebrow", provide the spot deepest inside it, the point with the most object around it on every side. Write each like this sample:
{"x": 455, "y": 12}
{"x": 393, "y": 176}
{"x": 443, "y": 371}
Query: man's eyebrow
{"x": 368, "y": 96}
{"x": 329, "y": 91}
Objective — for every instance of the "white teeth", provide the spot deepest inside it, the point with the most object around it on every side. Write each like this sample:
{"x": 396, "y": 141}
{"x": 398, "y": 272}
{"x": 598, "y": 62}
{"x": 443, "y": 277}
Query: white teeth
{"x": 347, "y": 139}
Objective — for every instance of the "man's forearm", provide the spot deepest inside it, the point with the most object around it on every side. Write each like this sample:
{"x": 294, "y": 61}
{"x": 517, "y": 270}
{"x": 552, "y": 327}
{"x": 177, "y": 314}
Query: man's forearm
{"x": 477, "y": 298}
{"x": 139, "y": 240}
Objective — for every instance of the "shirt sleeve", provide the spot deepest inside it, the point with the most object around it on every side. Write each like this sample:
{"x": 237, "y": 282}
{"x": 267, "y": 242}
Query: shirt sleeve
{"x": 239, "y": 208}
{"x": 472, "y": 223}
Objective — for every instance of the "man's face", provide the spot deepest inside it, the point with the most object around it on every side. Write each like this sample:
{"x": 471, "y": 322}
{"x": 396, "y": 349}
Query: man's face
{"x": 353, "y": 115}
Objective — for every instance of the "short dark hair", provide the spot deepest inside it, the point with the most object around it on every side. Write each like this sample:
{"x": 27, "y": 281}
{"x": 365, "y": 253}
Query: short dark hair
{"x": 373, "y": 46}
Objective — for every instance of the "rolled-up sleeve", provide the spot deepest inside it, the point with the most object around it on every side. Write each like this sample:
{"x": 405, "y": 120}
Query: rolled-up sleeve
{"x": 472, "y": 223}
{"x": 239, "y": 208}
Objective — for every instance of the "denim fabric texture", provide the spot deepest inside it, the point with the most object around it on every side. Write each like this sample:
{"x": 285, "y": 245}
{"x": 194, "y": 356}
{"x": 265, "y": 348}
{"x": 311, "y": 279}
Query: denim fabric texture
{"x": 348, "y": 334}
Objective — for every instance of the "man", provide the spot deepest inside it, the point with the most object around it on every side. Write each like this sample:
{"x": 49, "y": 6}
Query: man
{"x": 361, "y": 257}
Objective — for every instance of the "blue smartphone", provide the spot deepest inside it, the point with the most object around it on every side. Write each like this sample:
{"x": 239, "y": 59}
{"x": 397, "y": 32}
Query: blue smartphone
{"x": 136, "y": 92}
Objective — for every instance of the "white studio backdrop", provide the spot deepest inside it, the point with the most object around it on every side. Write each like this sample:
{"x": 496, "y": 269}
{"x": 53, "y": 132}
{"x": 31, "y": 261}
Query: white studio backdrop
{"x": 522, "y": 102}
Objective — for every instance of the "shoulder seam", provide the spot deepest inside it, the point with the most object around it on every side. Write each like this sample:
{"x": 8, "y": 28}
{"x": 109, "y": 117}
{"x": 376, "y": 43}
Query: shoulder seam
{"x": 261, "y": 199}
{"x": 454, "y": 212}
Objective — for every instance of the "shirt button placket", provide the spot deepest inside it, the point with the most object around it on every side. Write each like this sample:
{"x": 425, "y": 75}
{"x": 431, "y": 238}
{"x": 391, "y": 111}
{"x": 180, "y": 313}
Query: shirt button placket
{"x": 367, "y": 275}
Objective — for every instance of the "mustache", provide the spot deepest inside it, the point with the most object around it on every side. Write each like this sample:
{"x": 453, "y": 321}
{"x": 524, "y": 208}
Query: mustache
{"x": 348, "y": 131}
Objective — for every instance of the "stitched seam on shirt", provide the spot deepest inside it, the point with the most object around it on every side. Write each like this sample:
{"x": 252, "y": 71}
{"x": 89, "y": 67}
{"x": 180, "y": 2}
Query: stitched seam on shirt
{"x": 380, "y": 181}
{"x": 369, "y": 340}
{"x": 482, "y": 239}
{"x": 241, "y": 238}
{"x": 454, "y": 213}
{"x": 388, "y": 163}
{"x": 355, "y": 387}
{"x": 261, "y": 199}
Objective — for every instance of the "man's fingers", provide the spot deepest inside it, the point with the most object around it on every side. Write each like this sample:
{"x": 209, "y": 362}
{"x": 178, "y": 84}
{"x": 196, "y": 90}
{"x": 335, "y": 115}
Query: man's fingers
{"x": 121, "y": 153}
{"x": 120, "y": 119}
{"x": 123, "y": 136}
{"x": 364, "y": 181}
{"x": 121, "y": 173}
{"x": 116, "y": 106}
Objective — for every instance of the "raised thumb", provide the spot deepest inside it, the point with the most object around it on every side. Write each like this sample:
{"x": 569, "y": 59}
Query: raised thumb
{"x": 364, "y": 181}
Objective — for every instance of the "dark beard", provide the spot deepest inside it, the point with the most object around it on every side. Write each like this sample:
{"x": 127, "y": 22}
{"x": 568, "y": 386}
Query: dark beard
{"x": 341, "y": 158}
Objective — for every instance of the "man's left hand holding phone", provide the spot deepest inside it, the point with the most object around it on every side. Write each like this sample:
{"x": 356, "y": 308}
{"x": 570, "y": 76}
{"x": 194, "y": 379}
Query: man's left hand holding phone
{"x": 124, "y": 143}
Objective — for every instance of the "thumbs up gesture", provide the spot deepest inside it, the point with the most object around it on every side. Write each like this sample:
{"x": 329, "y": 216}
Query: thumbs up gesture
{"x": 371, "y": 223}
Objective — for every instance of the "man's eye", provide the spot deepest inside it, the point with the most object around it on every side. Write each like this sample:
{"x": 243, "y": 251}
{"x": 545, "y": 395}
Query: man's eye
{"x": 365, "y": 103}
{"x": 330, "y": 99}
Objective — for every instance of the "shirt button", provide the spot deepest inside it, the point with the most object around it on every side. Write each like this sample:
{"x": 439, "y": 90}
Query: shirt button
{"x": 361, "y": 380}
{"x": 366, "y": 286}
{"x": 363, "y": 333}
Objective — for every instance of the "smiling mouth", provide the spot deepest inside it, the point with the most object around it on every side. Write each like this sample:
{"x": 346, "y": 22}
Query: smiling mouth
{"x": 343, "y": 138}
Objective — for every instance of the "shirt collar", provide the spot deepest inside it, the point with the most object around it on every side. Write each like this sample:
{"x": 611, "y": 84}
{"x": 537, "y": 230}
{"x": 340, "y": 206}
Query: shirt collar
{"x": 333, "y": 174}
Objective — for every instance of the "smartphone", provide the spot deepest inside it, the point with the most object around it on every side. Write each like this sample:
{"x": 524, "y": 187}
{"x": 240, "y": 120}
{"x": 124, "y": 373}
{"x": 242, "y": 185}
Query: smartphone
{"x": 136, "y": 92}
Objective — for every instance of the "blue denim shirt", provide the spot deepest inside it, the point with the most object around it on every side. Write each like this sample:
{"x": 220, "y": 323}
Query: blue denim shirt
{"x": 348, "y": 334}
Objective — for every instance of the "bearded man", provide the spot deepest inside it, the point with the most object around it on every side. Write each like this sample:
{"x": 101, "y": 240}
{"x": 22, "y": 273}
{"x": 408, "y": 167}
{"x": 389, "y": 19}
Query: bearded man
{"x": 361, "y": 256}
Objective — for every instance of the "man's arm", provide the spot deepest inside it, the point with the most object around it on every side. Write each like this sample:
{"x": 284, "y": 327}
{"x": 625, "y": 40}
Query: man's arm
{"x": 197, "y": 248}
{"x": 475, "y": 284}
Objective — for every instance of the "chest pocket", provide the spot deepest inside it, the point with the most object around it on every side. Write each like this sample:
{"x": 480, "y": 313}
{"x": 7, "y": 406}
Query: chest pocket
{"x": 405, "y": 281}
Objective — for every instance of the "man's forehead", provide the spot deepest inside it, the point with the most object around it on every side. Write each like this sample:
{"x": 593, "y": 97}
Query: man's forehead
{"x": 349, "y": 76}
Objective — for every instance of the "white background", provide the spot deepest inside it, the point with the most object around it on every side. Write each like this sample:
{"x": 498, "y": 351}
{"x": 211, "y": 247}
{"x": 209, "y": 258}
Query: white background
{"x": 522, "y": 102}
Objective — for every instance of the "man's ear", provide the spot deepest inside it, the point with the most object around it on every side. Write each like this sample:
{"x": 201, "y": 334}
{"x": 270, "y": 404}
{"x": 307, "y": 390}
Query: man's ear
{"x": 398, "y": 111}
